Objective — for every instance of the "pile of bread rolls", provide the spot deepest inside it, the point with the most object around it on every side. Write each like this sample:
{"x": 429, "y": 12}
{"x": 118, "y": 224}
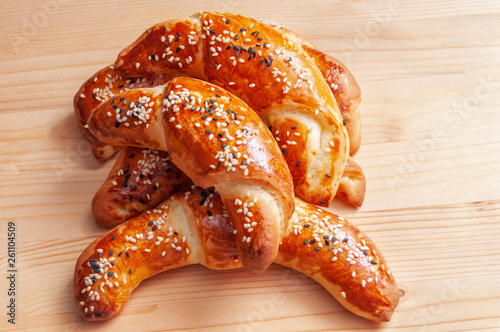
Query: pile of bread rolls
{"x": 234, "y": 133}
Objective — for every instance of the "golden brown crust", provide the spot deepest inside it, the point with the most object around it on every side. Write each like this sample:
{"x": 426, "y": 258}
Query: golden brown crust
{"x": 140, "y": 180}
{"x": 341, "y": 258}
{"x": 215, "y": 139}
{"x": 342, "y": 83}
{"x": 352, "y": 186}
{"x": 100, "y": 87}
{"x": 263, "y": 67}
{"x": 317, "y": 243}
{"x": 113, "y": 265}
{"x": 346, "y": 91}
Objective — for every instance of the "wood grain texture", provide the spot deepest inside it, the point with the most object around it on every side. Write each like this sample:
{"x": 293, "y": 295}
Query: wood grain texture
{"x": 430, "y": 80}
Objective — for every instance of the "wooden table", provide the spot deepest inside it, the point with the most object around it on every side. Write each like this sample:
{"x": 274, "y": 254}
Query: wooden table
{"x": 430, "y": 77}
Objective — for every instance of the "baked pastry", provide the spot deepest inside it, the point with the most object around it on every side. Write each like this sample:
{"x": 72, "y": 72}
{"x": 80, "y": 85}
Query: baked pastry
{"x": 266, "y": 69}
{"x": 192, "y": 227}
{"x": 139, "y": 180}
{"x": 216, "y": 140}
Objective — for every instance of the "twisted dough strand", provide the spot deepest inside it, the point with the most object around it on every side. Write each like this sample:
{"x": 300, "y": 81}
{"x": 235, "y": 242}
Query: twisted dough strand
{"x": 192, "y": 227}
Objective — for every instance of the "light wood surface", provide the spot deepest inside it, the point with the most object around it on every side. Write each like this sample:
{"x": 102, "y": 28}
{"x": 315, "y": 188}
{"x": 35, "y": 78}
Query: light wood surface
{"x": 429, "y": 73}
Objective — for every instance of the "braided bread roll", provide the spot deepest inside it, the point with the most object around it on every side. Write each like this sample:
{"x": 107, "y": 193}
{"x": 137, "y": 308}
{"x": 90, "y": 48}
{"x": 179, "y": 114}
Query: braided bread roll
{"x": 105, "y": 84}
{"x": 216, "y": 140}
{"x": 139, "y": 180}
{"x": 192, "y": 227}
{"x": 267, "y": 70}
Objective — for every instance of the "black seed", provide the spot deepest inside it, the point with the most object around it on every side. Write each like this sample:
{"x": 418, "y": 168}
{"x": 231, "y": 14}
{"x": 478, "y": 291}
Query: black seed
{"x": 208, "y": 131}
{"x": 128, "y": 255}
{"x": 261, "y": 61}
{"x": 322, "y": 202}
{"x": 120, "y": 253}
{"x": 228, "y": 21}
{"x": 313, "y": 241}
{"x": 176, "y": 39}
{"x": 176, "y": 233}
{"x": 373, "y": 262}
{"x": 236, "y": 48}
{"x": 124, "y": 184}
{"x": 212, "y": 31}
{"x": 132, "y": 187}
{"x": 269, "y": 64}
{"x": 219, "y": 164}
{"x": 111, "y": 252}
{"x": 127, "y": 165}
{"x": 178, "y": 33}
{"x": 307, "y": 225}
{"x": 345, "y": 239}
{"x": 334, "y": 239}
{"x": 209, "y": 212}
{"x": 112, "y": 238}
{"x": 130, "y": 197}
{"x": 259, "y": 39}
{"x": 125, "y": 171}
{"x": 92, "y": 260}
{"x": 298, "y": 164}
{"x": 305, "y": 241}
{"x": 117, "y": 124}
{"x": 142, "y": 201}
{"x": 130, "y": 271}
{"x": 330, "y": 248}
{"x": 317, "y": 249}
{"x": 150, "y": 177}
{"x": 365, "y": 252}
{"x": 114, "y": 106}
{"x": 150, "y": 223}
{"x": 224, "y": 145}
{"x": 110, "y": 274}
{"x": 154, "y": 228}
{"x": 327, "y": 242}
{"x": 328, "y": 175}
{"x": 164, "y": 29}
{"x": 236, "y": 37}
{"x": 345, "y": 123}
{"x": 228, "y": 47}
